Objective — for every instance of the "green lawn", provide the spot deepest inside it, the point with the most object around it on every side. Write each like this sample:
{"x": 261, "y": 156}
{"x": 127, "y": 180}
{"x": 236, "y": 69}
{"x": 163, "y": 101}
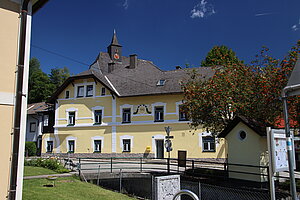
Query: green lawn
{"x": 65, "y": 188}
{"x": 34, "y": 171}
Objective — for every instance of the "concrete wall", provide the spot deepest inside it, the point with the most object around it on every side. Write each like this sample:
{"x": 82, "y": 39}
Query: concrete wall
{"x": 250, "y": 151}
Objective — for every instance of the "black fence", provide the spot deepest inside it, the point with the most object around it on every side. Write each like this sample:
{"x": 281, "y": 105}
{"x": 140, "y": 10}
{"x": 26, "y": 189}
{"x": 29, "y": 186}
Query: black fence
{"x": 208, "y": 179}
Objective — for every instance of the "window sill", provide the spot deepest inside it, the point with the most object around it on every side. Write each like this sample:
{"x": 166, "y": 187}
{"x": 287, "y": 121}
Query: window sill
{"x": 126, "y": 122}
{"x": 70, "y": 151}
{"x": 79, "y": 97}
{"x": 71, "y": 125}
{"x": 97, "y": 151}
{"x": 158, "y": 120}
{"x": 97, "y": 123}
{"x": 209, "y": 151}
{"x": 126, "y": 151}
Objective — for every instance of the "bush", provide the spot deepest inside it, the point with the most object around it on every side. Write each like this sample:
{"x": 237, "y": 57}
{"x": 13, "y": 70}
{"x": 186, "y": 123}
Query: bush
{"x": 50, "y": 163}
{"x": 30, "y": 149}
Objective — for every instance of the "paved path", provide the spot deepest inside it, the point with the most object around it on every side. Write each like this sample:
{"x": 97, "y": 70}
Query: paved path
{"x": 50, "y": 175}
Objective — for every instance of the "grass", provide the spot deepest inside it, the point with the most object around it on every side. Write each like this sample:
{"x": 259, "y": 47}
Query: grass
{"x": 35, "y": 171}
{"x": 65, "y": 188}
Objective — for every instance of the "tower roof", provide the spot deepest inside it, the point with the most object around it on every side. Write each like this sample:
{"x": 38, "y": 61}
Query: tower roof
{"x": 114, "y": 40}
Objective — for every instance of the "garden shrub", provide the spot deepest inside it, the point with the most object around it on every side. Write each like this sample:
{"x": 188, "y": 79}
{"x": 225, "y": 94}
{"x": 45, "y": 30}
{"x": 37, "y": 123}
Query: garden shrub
{"x": 30, "y": 149}
{"x": 50, "y": 163}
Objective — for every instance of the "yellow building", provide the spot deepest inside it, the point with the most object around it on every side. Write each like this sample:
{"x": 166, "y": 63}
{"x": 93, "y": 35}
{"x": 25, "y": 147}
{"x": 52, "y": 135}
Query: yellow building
{"x": 14, "y": 51}
{"x": 120, "y": 107}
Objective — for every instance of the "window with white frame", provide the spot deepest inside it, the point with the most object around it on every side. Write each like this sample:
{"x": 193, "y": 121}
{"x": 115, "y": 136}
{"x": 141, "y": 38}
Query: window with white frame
{"x": 46, "y": 120}
{"x": 80, "y": 91}
{"x": 67, "y": 94}
{"x": 71, "y": 119}
{"x": 126, "y": 145}
{"x": 126, "y": 115}
{"x": 103, "y": 91}
{"x": 158, "y": 114}
{"x": 97, "y": 116}
{"x": 71, "y": 146}
{"x": 97, "y": 146}
{"x": 89, "y": 90}
{"x": 182, "y": 114}
{"x": 49, "y": 146}
{"x": 208, "y": 144}
{"x": 32, "y": 127}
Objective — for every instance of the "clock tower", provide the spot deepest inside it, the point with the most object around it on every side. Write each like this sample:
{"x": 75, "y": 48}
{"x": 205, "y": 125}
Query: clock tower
{"x": 115, "y": 49}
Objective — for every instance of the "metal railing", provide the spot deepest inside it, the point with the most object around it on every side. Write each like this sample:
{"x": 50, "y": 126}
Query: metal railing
{"x": 139, "y": 164}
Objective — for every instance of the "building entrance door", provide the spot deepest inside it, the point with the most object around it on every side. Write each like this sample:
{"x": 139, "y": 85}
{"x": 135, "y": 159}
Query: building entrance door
{"x": 159, "y": 148}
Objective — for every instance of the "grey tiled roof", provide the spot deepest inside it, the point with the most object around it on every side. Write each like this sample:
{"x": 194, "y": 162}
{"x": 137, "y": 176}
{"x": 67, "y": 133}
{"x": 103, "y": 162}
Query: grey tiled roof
{"x": 141, "y": 80}
{"x": 35, "y": 108}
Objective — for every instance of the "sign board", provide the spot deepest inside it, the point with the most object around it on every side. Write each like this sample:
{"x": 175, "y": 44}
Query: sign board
{"x": 278, "y": 150}
{"x": 165, "y": 187}
{"x": 169, "y": 137}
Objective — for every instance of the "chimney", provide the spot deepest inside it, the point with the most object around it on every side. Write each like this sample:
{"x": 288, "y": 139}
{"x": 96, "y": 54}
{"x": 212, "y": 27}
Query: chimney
{"x": 111, "y": 67}
{"x": 133, "y": 61}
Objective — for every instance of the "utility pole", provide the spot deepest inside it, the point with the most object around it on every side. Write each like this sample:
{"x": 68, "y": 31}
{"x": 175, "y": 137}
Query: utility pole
{"x": 292, "y": 89}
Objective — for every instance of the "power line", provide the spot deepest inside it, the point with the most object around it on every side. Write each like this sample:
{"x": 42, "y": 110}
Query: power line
{"x": 77, "y": 61}
{"x": 60, "y": 55}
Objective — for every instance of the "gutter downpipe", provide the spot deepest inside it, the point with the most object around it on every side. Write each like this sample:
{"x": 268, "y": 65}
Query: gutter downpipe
{"x": 18, "y": 102}
{"x": 289, "y": 145}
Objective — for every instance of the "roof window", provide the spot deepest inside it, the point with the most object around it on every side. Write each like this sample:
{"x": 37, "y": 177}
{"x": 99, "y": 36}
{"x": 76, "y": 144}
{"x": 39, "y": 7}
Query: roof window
{"x": 161, "y": 82}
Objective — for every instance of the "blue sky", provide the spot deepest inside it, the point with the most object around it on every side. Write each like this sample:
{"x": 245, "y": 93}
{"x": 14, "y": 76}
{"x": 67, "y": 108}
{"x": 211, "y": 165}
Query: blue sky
{"x": 167, "y": 32}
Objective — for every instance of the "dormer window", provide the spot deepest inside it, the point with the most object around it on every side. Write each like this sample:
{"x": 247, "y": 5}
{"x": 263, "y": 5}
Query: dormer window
{"x": 67, "y": 94}
{"x": 103, "y": 91}
{"x": 161, "y": 82}
{"x": 89, "y": 90}
{"x": 80, "y": 91}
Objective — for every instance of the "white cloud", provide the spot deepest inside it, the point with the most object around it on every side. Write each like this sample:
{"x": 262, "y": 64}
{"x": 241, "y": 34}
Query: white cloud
{"x": 263, "y": 14}
{"x": 296, "y": 27}
{"x": 202, "y": 9}
{"x": 125, "y": 4}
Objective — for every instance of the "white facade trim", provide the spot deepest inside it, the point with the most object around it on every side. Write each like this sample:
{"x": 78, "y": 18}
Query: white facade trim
{"x": 122, "y": 124}
{"x": 156, "y": 137}
{"x": 124, "y": 137}
{"x": 112, "y": 86}
{"x": 49, "y": 139}
{"x": 159, "y": 104}
{"x": 114, "y": 139}
{"x": 114, "y": 128}
{"x": 57, "y": 140}
{"x": 178, "y": 103}
{"x": 97, "y": 138}
{"x": 7, "y": 98}
{"x": 93, "y": 112}
{"x": 84, "y": 84}
{"x": 203, "y": 134}
{"x": 67, "y": 143}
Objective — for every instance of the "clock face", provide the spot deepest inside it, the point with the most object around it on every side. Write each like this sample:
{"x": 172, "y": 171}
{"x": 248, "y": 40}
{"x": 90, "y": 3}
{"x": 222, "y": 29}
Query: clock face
{"x": 116, "y": 56}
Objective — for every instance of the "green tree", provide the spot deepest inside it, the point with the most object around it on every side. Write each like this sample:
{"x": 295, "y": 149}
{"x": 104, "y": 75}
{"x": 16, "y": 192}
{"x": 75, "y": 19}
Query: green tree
{"x": 58, "y": 76}
{"x": 220, "y": 56}
{"x": 236, "y": 89}
{"x": 39, "y": 85}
